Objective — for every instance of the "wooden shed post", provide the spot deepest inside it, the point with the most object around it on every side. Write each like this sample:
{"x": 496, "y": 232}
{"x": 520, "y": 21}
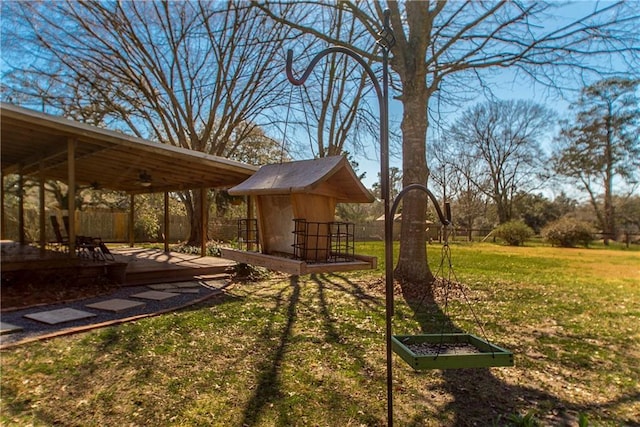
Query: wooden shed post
{"x": 21, "y": 234}
{"x": 43, "y": 230}
{"x": 71, "y": 194}
{"x": 204, "y": 222}
{"x": 3, "y": 216}
{"x": 132, "y": 217}
{"x": 166, "y": 221}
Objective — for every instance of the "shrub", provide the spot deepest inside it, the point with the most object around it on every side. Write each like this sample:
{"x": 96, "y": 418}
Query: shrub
{"x": 568, "y": 232}
{"x": 514, "y": 232}
{"x": 213, "y": 249}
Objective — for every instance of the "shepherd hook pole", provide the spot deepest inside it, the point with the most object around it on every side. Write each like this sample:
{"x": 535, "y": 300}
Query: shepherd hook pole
{"x": 386, "y": 42}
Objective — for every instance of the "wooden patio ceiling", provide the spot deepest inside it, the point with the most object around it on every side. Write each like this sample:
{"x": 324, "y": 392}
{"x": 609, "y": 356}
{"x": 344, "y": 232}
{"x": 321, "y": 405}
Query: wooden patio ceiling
{"x": 35, "y": 144}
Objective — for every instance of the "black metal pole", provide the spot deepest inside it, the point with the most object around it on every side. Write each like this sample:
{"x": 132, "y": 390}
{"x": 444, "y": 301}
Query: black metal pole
{"x": 386, "y": 41}
{"x": 388, "y": 220}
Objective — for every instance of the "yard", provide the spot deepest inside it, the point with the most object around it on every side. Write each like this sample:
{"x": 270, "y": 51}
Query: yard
{"x": 311, "y": 351}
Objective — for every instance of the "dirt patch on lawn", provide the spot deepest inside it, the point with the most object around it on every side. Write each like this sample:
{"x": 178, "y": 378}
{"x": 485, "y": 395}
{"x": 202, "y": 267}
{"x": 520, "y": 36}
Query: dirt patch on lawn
{"x": 31, "y": 290}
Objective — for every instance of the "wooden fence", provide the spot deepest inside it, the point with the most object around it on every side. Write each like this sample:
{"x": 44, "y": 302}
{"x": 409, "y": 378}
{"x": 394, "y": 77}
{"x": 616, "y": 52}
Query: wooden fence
{"x": 114, "y": 227}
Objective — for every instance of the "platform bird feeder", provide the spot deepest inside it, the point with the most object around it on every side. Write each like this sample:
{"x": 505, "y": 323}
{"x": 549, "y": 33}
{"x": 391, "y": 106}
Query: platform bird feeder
{"x": 296, "y": 224}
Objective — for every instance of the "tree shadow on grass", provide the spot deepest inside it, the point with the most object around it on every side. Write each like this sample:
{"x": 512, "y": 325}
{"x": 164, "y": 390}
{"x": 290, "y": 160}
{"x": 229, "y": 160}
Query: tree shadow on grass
{"x": 268, "y": 388}
{"x": 481, "y": 398}
{"x": 477, "y": 396}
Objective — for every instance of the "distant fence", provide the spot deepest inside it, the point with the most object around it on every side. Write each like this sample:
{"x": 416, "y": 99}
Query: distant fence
{"x": 114, "y": 227}
{"x": 111, "y": 227}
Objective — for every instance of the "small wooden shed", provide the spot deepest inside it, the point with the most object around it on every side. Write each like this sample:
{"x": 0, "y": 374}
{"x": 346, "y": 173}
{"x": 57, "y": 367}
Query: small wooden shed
{"x": 296, "y": 203}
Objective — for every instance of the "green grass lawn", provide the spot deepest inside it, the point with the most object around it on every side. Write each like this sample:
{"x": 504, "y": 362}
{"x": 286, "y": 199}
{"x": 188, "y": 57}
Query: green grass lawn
{"x": 285, "y": 352}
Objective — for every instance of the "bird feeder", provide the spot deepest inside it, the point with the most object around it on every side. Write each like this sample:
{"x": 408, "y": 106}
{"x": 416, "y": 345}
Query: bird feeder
{"x": 296, "y": 225}
{"x": 449, "y": 351}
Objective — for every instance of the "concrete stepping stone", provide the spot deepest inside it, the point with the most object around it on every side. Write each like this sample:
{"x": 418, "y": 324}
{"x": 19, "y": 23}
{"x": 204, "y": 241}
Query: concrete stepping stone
{"x": 155, "y": 295}
{"x": 161, "y": 286}
{"x": 185, "y": 290}
{"x": 8, "y": 328}
{"x": 116, "y": 305}
{"x": 186, "y": 285}
{"x": 53, "y": 317}
{"x": 214, "y": 283}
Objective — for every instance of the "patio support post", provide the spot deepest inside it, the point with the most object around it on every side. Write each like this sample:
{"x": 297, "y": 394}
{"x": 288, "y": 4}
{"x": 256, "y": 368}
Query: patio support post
{"x": 132, "y": 217}
{"x": 43, "y": 230}
{"x": 71, "y": 194}
{"x": 166, "y": 222}
{"x": 3, "y": 216}
{"x": 205, "y": 221}
{"x": 21, "y": 235}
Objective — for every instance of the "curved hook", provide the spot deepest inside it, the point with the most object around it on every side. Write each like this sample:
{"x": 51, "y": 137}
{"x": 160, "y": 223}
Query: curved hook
{"x": 319, "y": 56}
{"x": 444, "y": 220}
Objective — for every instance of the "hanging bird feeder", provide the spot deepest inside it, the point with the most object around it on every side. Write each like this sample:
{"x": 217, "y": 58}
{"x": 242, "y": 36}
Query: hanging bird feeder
{"x": 449, "y": 351}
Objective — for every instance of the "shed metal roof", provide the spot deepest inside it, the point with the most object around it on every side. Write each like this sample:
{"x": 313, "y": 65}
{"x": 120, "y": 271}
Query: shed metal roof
{"x": 332, "y": 176}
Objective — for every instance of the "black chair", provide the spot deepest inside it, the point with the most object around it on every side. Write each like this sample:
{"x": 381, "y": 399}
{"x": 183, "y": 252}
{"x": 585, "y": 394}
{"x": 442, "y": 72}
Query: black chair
{"x": 103, "y": 249}
{"x": 61, "y": 242}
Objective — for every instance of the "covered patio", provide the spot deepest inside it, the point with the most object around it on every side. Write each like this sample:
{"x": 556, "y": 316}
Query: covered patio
{"x": 44, "y": 147}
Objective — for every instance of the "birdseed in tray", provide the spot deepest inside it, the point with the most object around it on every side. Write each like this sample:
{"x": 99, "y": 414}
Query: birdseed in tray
{"x": 433, "y": 349}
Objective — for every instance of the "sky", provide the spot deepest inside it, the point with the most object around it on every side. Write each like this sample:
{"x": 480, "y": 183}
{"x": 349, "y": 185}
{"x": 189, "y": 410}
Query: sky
{"x": 507, "y": 85}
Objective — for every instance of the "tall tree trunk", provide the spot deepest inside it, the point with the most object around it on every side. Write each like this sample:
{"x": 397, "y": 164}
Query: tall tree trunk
{"x": 412, "y": 262}
{"x": 608, "y": 226}
{"x": 501, "y": 209}
{"x": 193, "y": 204}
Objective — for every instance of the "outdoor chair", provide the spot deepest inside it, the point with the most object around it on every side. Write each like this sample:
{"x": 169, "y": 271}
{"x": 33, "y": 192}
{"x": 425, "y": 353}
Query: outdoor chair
{"x": 61, "y": 242}
{"x": 92, "y": 248}
{"x": 65, "y": 221}
{"x": 104, "y": 250}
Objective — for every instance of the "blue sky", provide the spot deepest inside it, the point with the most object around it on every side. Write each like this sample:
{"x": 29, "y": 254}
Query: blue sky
{"x": 506, "y": 85}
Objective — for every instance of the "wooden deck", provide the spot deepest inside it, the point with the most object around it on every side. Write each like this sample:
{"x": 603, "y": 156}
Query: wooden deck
{"x": 145, "y": 266}
{"x": 132, "y": 266}
{"x": 298, "y": 267}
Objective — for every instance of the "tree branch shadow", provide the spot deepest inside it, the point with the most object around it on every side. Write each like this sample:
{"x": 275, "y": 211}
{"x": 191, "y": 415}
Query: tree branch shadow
{"x": 267, "y": 390}
{"x": 482, "y": 398}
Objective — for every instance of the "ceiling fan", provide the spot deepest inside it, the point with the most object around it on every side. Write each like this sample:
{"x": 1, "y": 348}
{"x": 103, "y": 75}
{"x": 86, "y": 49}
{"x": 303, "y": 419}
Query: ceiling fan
{"x": 144, "y": 179}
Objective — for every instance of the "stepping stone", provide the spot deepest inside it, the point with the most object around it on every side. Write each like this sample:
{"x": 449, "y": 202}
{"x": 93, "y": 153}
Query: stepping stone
{"x": 215, "y": 283}
{"x": 53, "y": 317}
{"x": 185, "y": 291}
{"x": 8, "y": 328}
{"x": 187, "y": 285}
{"x": 116, "y": 305}
{"x": 155, "y": 295}
{"x": 161, "y": 286}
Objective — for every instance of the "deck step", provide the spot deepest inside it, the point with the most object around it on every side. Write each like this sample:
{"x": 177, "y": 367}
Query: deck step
{"x": 174, "y": 275}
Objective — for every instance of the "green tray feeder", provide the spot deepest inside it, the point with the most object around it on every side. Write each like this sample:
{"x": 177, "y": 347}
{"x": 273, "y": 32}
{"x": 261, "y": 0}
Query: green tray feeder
{"x": 449, "y": 351}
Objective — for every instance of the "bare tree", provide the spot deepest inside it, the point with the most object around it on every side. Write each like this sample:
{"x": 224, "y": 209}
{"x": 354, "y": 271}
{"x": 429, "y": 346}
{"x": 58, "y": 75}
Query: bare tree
{"x": 444, "y": 49}
{"x": 450, "y": 173}
{"x": 499, "y": 142}
{"x": 332, "y": 106}
{"x": 602, "y": 145}
{"x": 198, "y": 75}
{"x": 336, "y": 116}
